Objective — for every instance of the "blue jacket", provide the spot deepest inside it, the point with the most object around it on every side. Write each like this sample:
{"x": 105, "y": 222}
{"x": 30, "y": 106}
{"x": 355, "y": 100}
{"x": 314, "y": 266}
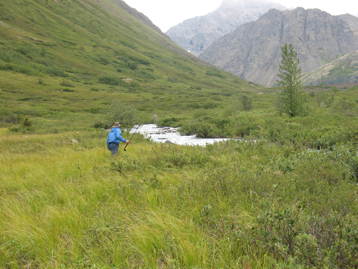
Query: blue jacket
{"x": 115, "y": 136}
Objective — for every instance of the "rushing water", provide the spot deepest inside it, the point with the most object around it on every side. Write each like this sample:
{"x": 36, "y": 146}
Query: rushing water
{"x": 172, "y": 135}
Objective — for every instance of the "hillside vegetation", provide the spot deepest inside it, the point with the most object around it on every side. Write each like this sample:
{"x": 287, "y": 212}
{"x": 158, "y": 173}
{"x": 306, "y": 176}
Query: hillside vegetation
{"x": 69, "y": 61}
{"x": 234, "y": 205}
{"x": 285, "y": 197}
{"x": 343, "y": 70}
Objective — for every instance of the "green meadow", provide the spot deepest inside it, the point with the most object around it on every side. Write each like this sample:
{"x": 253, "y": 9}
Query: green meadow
{"x": 66, "y": 203}
{"x": 285, "y": 197}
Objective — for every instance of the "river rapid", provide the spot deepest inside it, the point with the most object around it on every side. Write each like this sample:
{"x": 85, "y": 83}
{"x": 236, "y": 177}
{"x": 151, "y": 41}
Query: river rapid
{"x": 172, "y": 136}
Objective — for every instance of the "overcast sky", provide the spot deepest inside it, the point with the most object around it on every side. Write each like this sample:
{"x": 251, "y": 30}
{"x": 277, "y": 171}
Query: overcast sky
{"x": 167, "y": 13}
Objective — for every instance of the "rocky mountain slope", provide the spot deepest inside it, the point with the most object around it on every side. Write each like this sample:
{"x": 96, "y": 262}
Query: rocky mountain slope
{"x": 343, "y": 70}
{"x": 198, "y": 33}
{"x": 252, "y": 51}
{"x": 352, "y": 22}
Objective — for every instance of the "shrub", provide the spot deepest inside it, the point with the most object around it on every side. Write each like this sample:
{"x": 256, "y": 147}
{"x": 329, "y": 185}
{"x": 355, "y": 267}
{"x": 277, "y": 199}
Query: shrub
{"x": 173, "y": 121}
{"x": 19, "y": 69}
{"x": 56, "y": 72}
{"x": 306, "y": 249}
{"x": 325, "y": 241}
{"x": 68, "y": 90}
{"x": 27, "y": 123}
{"x": 101, "y": 125}
{"x": 214, "y": 74}
{"x": 26, "y": 126}
{"x": 146, "y": 74}
{"x": 245, "y": 125}
{"x": 103, "y": 60}
{"x": 132, "y": 66}
{"x": 10, "y": 118}
{"x": 110, "y": 80}
{"x": 201, "y": 129}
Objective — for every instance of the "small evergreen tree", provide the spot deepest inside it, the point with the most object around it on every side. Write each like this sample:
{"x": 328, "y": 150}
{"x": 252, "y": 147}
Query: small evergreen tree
{"x": 291, "y": 101}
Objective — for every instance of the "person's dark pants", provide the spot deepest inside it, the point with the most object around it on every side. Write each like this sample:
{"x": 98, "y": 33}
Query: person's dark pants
{"x": 113, "y": 147}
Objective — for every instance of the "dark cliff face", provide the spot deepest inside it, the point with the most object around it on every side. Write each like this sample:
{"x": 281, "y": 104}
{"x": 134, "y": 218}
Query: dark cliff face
{"x": 252, "y": 51}
{"x": 198, "y": 33}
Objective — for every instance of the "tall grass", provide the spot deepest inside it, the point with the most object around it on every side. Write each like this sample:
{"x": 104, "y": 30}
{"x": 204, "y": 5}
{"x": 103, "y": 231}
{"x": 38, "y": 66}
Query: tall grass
{"x": 285, "y": 200}
{"x": 232, "y": 205}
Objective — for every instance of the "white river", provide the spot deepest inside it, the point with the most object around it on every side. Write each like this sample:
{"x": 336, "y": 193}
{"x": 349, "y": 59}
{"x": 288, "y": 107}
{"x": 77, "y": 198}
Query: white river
{"x": 172, "y": 135}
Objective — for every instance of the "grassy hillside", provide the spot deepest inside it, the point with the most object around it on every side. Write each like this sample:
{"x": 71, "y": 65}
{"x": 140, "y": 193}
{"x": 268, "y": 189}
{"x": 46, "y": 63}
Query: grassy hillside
{"x": 343, "y": 70}
{"x": 64, "y": 63}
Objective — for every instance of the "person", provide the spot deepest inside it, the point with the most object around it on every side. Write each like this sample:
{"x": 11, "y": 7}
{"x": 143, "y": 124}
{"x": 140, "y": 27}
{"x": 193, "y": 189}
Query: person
{"x": 114, "y": 138}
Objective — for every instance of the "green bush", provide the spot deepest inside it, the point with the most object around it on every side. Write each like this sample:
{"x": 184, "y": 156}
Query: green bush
{"x": 109, "y": 80}
{"x": 19, "y": 69}
{"x": 246, "y": 125}
{"x": 132, "y": 66}
{"x": 26, "y": 126}
{"x": 246, "y": 103}
{"x": 169, "y": 122}
{"x": 315, "y": 241}
{"x": 201, "y": 129}
{"x": 56, "y": 72}
{"x": 214, "y": 73}
{"x": 101, "y": 125}
{"x": 10, "y": 118}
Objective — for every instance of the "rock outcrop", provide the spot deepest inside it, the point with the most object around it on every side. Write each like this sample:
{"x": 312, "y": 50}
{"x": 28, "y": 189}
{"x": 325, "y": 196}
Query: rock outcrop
{"x": 253, "y": 50}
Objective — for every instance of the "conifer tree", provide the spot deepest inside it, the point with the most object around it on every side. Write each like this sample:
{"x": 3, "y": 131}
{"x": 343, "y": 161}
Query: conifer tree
{"x": 291, "y": 101}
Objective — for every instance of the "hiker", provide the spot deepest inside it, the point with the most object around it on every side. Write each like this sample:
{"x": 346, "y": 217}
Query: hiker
{"x": 114, "y": 138}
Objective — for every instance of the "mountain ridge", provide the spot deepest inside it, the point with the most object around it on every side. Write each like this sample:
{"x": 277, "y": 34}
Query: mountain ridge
{"x": 196, "y": 34}
{"x": 252, "y": 51}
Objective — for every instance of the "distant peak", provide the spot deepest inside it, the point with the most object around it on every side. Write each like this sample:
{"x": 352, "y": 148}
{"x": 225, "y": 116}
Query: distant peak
{"x": 317, "y": 11}
{"x": 226, "y": 4}
{"x": 273, "y": 12}
{"x": 245, "y": 2}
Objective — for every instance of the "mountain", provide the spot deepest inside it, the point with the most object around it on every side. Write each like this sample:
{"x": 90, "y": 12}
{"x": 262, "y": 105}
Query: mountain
{"x": 253, "y": 52}
{"x": 68, "y": 61}
{"x": 352, "y": 21}
{"x": 343, "y": 70}
{"x": 198, "y": 33}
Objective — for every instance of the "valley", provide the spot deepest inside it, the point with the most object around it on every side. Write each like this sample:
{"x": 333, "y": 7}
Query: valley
{"x": 278, "y": 191}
